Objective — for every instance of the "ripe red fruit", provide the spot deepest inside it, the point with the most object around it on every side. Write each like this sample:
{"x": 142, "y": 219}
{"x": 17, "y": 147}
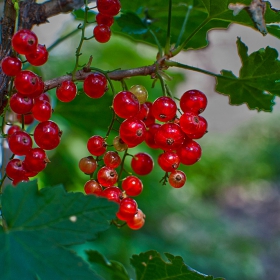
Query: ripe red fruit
{"x": 132, "y": 132}
{"x": 108, "y": 7}
{"x": 28, "y": 119}
{"x": 15, "y": 169}
{"x": 47, "y": 135}
{"x": 21, "y": 104}
{"x": 36, "y": 160}
{"x": 128, "y": 208}
{"x": 24, "y": 41}
{"x": 194, "y": 101}
{"x": 87, "y": 165}
{"x": 137, "y": 221}
{"x": 96, "y": 145}
{"x": 67, "y": 91}
{"x": 102, "y": 33}
{"x": 150, "y": 119}
{"x": 112, "y": 159}
{"x": 132, "y": 185}
{"x": 107, "y": 176}
{"x": 190, "y": 152}
{"x": 142, "y": 163}
{"x": 177, "y": 179}
{"x": 104, "y": 19}
{"x": 95, "y": 85}
{"x": 169, "y": 136}
{"x": 13, "y": 129}
{"x": 92, "y": 187}
{"x": 39, "y": 57}
{"x": 26, "y": 82}
{"x": 43, "y": 96}
{"x": 164, "y": 109}
{"x": 42, "y": 110}
{"x": 20, "y": 143}
{"x": 126, "y": 104}
{"x": 202, "y": 129}
{"x": 150, "y": 135}
{"x": 168, "y": 161}
{"x": 18, "y": 180}
{"x": 11, "y": 65}
{"x": 143, "y": 112}
{"x": 113, "y": 194}
{"x": 189, "y": 123}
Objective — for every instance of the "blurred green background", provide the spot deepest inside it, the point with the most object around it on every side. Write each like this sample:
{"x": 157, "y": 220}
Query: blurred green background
{"x": 224, "y": 221}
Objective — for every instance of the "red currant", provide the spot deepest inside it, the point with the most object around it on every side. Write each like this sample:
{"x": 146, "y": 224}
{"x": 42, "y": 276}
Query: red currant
{"x": 95, "y": 85}
{"x": 92, "y": 187}
{"x": 126, "y": 104}
{"x": 39, "y": 57}
{"x": 177, "y": 179}
{"x": 143, "y": 112}
{"x": 137, "y": 221}
{"x": 104, "y": 19}
{"x": 150, "y": 135}
{"x": 190, "y": 152}
{"x": 189, "y": 123}
{"x": 28, "y": 119}
{"x": 36, "y": 160}
{"x": 24, "y": 41}
{"x": 11, "y": 65}
{"x": 20, "y": 143}
{"x": 119, "y": 144}
{"x": 43, "y": 96}
{"x": 142, "y": 164}
{"x": 113, "y": 194}
{"x": 128, "y": 208}
{"x": 168, "y": 161}
{"x": 42, "y": 110}
{"x": 96, "y": 145}
{"x": 108, "y": 7}
{"x": 88, "y": 165}
{"x": 13, "y": 129}
{"x": 150, "y": 119}
{"x": 202, "y": 129}
{"x": 15, "y": 169}
{"x": 194, "y": 101}
{"x": 21, "y": 104}
{"x": 67, "y": 91}
{"x": 102, "y": 33}
{"x": 164, "y": 109}
{"x": 112, "y": 159}
{"x": 132, "y": 185}
{"x": 107, "y": 176}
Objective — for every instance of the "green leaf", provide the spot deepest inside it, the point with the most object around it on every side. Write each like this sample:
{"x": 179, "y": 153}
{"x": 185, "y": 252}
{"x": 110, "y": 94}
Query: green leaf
{"x": 80, "y": 14}
{"x": 258, "y": 81}
{"x": 150, "y": 265}
{"x": 130, "y": 23}
{"x": 108, "y": 269}
{"x": 38, "y": 224}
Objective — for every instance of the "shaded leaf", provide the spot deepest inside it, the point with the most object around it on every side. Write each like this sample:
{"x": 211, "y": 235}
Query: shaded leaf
{"x": 79, "y": 14}
{"x": 108, "y": 269}
{"x": 150, "y": 266}
{"x": 258, "y": 81}
{"x": 39, "y": 223}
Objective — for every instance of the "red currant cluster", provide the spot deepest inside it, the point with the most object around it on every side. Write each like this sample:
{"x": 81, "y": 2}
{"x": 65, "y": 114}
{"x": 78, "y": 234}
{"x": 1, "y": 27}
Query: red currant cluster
{"x": 105, "y": 18}
{"x": 28, "y": 101}
{"x": 156, "y": 124}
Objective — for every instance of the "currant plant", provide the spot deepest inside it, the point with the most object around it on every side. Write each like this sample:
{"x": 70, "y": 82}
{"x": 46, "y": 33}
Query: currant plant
{"x": 168, "y": 123}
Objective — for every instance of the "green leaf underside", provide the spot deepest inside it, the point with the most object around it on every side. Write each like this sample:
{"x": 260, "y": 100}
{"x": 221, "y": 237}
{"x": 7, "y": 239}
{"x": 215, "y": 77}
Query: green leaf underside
{"x": 110, "y": 270}
{"x": 204, "y": 16}
{"x": 150, "y": 266}
{"x": 257, "y": 84}
{"x": 40, "y": 223}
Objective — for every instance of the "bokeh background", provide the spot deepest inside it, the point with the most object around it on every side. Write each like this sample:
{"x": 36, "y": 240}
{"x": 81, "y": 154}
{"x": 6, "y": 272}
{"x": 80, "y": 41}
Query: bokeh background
{"x": 226, "y": 220}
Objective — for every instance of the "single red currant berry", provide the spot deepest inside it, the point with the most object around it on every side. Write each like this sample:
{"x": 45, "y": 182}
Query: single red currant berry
{"x": 132, "y": 132}
{"x": 87, "y": 165}
{"x": 20, "y": 143}
{"x": 43, "y": 96}
{"x": 102, "y": 33}
{"x": 104, "y": 19}
{"x": 142, "y": 164}
{"x": 177, "y": 179}
{"x": 18, "y": 180}
{"x": 202, "y": 129}
{"x": 143, "y": 112}
{"x": 108, "y": 7}
{"x": 21, "y": 104}
{"x": 47, "y": 135}
{"x": 39, "y": 57}
{"x": 11, "y": 65}
{"x": 27, "y": 119}
{"x": 92, "y": 187}
{"x": 26, "y": 82}
{"x": 126, "y": 104}
{"x": 194, "y": 101}
{"x": 132, "y": 185}
{"x": 140, "y": 92}
{"x": 113, "y": 194}
{"x": 15, "y": 169}
{"x": 107, "y": 176}
{"x": 164, "y": 109}
{"x": 13, "y": 129}
{"x": 112, "y": 159}
{"x": 24, "y": 41}
{"x": 168, "y": 161}
{"x": 150, "y": 135}
{"x": 128, "y": 208}
{"x": 42, "y": 110}
{"x": 189, "y": 123}
{"x": 119, "y": 144}
{"x": 190, "y": 152}
{"x": 67, "y": 91}
{"x": 169, "y": 137}
{"x": 150, "y": 118}
{"x": 137, "y": 221}
{"x": 39, "y": 90}
{"x": 96, "y": 145}
{"x": 95, "y": 85}
{"x": 36, "y": 160}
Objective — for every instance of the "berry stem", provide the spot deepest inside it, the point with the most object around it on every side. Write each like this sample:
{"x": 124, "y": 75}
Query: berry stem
{"x": 164, "y": 179}
{"x": 122, "y": 164}
{"x": 160, "y": 51}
